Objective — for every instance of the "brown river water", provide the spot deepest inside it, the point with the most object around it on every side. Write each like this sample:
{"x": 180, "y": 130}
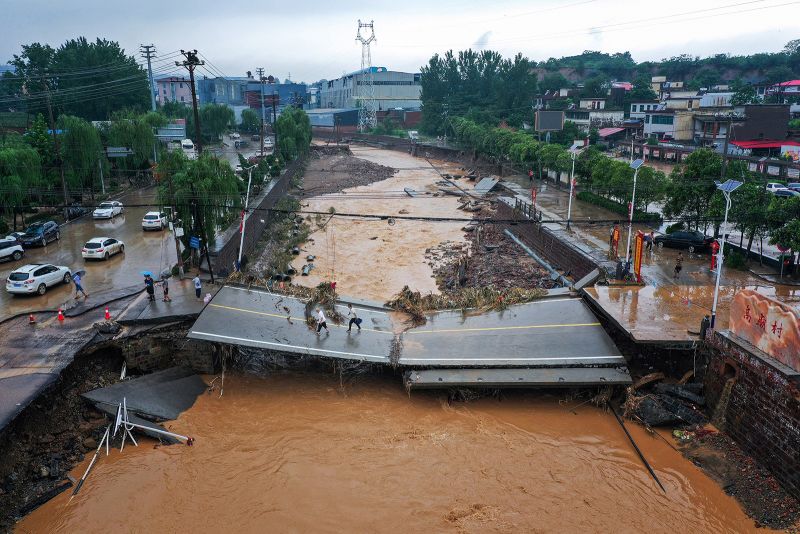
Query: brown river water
{"x": 294, "y": 452}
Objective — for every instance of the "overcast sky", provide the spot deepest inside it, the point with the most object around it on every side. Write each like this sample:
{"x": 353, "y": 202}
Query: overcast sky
{"x": 315, "y": 39}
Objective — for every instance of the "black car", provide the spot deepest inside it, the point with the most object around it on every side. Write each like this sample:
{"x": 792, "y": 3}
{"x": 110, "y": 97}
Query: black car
{"x": 786, "y": 193}
{"x": 40, "y": 233}
{"x": 685, "y": 239}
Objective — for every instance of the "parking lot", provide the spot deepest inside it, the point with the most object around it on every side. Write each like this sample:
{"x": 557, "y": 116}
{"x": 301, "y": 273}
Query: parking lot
{"x": 151, "y": 251}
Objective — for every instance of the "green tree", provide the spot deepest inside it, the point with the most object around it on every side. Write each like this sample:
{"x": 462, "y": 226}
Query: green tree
{"x": 20, "y": 175}
{"x": 553, "y": 82}
{"x": 745, "y": 94}
{"x": 81, "y": 152}
{"x": 293, "y": 130}
{"x": 251, "y": 122}
{"x": 175, "y": 110}
{"x": 692, "y": 187}
{"x": 132, "y": 131}
{"x": 705, "y": 77}
{"x": 215, "y": 119}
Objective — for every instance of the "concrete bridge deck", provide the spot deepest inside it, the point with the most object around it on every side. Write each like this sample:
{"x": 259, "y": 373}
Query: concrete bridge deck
{"x": 552, "y": 332}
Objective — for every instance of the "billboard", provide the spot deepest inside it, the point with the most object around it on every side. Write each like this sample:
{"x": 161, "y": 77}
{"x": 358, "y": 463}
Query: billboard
{"x": 769, "y": 325}
{"x": 549, "y": 121}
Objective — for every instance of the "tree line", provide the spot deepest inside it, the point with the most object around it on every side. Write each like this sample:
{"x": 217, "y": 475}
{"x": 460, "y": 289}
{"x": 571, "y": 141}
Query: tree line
{"x": 688, "y": 194}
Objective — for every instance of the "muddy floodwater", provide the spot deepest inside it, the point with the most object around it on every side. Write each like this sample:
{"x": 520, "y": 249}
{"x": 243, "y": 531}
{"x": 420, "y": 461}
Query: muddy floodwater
{"x": 296, "y": 453}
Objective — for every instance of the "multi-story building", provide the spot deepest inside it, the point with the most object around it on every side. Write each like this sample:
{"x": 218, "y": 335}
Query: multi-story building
{"x": 669, "y": 124}
{"x": 638, "y": 109}
{"x": 392, "y": 89}
{"x": 173, "y": 89}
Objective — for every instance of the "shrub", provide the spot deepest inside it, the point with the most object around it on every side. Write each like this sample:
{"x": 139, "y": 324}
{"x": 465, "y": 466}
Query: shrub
{"x": 616, "y": 207}
{"x": 736, "y": 260}
{"x": 3, "y": 226}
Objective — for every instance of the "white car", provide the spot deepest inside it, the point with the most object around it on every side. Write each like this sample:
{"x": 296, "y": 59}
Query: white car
{"x": 36, "y": 278}
{"x": 154, "y": 220}
{"x": 187, "y": 144}
{"x": 268, "y": 142}
{"x": 235, "y": 135}
{"x": 100, "y": 248}
{"x": 10, "y": 248}
{"x": 774, "y": 186}
{"x": 107, "y": 210}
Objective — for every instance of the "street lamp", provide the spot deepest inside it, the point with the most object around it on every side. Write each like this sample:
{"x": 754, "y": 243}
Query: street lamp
{"x": 244, "y": 212}
{"x": 575, "y": 149}
{"x": 727, "y": 188}
{"x": 635, "y": 165}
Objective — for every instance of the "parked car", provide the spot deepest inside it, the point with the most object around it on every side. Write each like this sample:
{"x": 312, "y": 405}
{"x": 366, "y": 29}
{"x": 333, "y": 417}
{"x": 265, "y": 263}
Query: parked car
{"x": 775, "y": 186}
{"x": 40, "y": 233}
{"x": 241, "y": 144}
{"x": 794, "y": 186}
{"x": 76, "y": 210}
{"x": 268, "y": 142}
{"x": 786, "y": 193}
{"x": 187, "y": 144}
{"x": 107, "y": 210}
{"x": 154, "y": 220}
{"x": 11, "y": 249}
{"x": 15, "y": 235}
{"x": 36, "y": 278}
{"x": 101, "y": 248}
{"x": 685, "y": 239}
{"x": 255, "y": 137}
{"x": 235, "y": 135}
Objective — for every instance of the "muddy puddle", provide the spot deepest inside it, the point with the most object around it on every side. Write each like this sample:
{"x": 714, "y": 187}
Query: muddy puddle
{"x": 294, "y": 453}
{"x": 370, "y": 258}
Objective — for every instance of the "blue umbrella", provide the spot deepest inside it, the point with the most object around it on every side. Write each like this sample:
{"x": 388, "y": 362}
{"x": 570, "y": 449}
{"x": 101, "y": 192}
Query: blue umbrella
{"x": 147, "y": 273}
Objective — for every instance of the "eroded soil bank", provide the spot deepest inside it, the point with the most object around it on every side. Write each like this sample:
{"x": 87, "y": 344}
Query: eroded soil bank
{"x": 294, "y": 452}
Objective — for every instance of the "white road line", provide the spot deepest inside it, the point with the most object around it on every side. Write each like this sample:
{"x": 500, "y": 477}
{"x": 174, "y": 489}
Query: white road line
{"x": 403, "y": 359}
{"x": 244, "y": 339}
{"x": 301, "y": 300}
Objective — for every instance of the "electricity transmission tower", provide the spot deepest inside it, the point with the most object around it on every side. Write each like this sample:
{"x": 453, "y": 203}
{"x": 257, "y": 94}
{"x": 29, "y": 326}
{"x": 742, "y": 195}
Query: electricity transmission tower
{"x": 366, "y": 91}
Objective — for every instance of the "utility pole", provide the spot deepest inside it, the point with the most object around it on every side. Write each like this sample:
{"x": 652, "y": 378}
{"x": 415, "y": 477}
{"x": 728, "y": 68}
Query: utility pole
{"x": 57, "y": 143}
{"x": 148, "y": 52}
{"x": 261, "y": 80}
{"x": 271, "y": 81}
{"x": 191, "y": 62}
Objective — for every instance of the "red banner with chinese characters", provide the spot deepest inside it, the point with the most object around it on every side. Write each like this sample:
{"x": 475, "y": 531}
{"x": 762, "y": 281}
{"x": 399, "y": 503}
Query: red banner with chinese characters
{"x": 767, "y": 324}
{"x": 638, "y": 248}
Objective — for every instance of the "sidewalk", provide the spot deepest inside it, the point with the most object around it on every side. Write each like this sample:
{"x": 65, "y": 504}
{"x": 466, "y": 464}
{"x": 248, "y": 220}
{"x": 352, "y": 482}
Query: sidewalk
{"x": 664, "y": 309}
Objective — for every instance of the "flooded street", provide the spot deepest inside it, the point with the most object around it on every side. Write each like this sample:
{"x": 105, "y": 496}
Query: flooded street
{"x": 293, "y": 453}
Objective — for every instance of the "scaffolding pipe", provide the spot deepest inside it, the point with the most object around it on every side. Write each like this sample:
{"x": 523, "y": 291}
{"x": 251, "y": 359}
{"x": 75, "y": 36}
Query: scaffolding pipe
{"x": 556, "y": 275}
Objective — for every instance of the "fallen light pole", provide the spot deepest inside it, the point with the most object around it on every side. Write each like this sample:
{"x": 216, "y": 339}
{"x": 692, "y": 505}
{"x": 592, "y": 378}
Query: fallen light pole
{"x": 727, "y": 188}
{"x": 575, "y": 149}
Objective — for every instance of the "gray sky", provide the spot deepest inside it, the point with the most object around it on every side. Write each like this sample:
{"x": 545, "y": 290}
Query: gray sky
{"x": 315, "y": 39}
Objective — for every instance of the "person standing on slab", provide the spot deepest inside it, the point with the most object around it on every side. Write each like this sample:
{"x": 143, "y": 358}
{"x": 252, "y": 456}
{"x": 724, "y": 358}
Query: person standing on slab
{"x": 354, "y": 319}
{"x": 149, "y": 286}
{"x": 76, "y": 279}
{"x": 321, "y": 322}
{"x": 678, "y": 265}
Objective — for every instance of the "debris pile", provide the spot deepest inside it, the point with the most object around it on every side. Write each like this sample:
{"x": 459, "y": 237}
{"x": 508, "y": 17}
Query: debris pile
{"x": 664, "y": 404}
{"x": 489, "y": 259}
{"x": 479, "y": 299}
{"x": 332, "y": 169}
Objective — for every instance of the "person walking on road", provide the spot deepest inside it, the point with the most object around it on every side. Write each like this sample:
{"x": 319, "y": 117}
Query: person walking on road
{"x": 198, "y": 286}
{"x": 354, "y": 320}
{"x": 165, "y": 289}
{"x": 678, "y": 265}
{"x": 149, "y": 286}
{"x": 76, "y": 278}
{"x": 321, "y": 322}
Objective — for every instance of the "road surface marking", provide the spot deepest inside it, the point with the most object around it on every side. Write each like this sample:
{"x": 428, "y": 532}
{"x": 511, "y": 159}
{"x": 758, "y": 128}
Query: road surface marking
{"x": 300, "y": 319}
{"x": 308, "y": 349}
{"x": 487, "y": 329}
{"x": 367, "y": 310}
{"x": 555, "y": 358}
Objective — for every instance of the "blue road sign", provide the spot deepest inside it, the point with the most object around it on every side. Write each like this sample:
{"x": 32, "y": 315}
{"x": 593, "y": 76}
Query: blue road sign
{"x": 194, "y": 242}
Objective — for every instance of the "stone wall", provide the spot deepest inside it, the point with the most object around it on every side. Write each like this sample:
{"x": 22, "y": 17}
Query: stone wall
{"x": 757, "y": 402}
{"x": 552, "y": 244}
{"x": 155, "y": 352}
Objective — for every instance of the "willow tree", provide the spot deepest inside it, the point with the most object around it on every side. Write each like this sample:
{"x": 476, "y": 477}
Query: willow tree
{"x": 135, "y": 132}
{"x": 81, "y": 152}
{"x": 20, "y": 177}
{"x": 205, "y": 193}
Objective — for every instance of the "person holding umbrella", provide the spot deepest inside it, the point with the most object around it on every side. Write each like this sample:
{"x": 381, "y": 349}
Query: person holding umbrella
{"x": 76, "y": 279}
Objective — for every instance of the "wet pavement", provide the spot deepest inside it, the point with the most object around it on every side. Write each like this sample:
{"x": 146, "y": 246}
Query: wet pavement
{"x": 666, "y": 308}
{"x": 144, "y": 251}
{"x": 547, "y": 332}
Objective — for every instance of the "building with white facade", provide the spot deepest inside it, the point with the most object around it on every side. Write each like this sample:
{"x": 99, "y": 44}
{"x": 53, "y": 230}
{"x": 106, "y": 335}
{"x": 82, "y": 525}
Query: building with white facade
{"x": 392, "y": 89}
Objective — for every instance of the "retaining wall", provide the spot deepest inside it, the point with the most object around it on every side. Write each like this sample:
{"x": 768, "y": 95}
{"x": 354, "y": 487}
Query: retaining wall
{"x": 226, "y": 250}
{"x": 762, "y": 410}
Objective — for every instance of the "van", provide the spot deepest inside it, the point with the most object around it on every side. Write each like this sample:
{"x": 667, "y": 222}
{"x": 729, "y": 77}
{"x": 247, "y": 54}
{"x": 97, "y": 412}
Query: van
{"x": 187, "y": 144}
